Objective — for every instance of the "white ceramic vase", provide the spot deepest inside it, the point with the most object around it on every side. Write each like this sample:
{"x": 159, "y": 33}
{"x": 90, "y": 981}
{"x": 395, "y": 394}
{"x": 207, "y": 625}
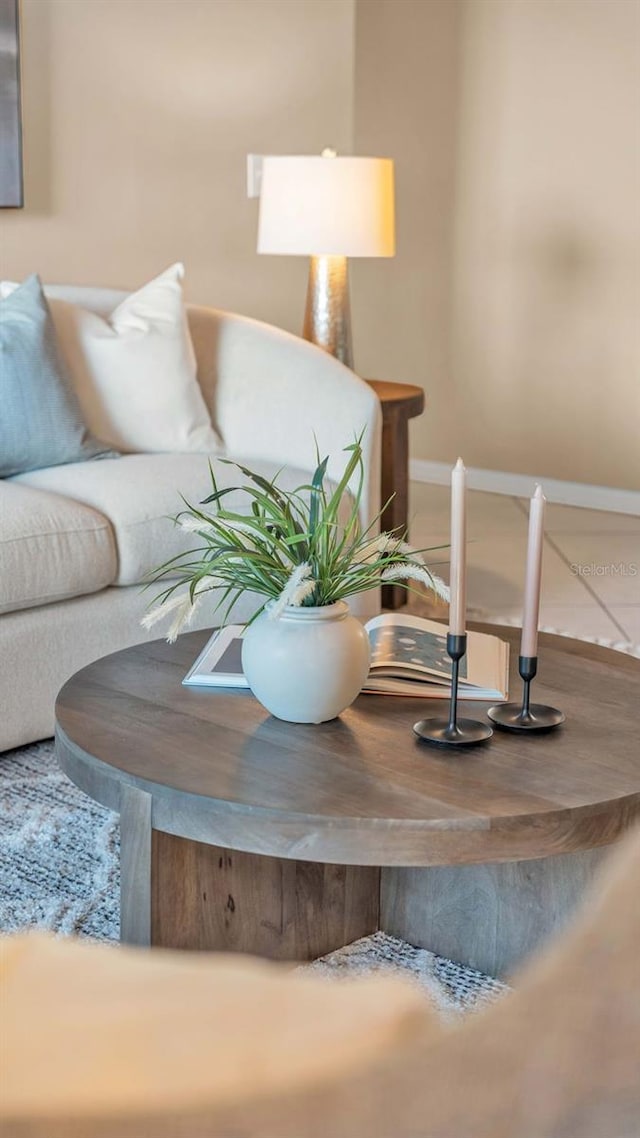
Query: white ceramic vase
{"x": 307, "y": 665}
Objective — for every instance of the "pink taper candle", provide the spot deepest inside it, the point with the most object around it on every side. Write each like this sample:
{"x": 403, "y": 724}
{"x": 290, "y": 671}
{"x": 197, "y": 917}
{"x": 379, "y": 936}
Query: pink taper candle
{"x": 457, "y": 608}
{"x": 529, "y": 645}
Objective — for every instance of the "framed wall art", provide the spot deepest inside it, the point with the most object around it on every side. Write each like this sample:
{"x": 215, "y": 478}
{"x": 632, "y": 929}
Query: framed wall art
{"x": 11, "y": 185}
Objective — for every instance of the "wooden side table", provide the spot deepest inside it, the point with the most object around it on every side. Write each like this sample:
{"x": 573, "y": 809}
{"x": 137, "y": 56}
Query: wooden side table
{"x": 400, "y": 402}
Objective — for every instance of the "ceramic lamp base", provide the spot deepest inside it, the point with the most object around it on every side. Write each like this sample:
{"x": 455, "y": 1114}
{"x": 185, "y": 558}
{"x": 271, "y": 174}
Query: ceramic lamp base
{"x": 327, "y": 318}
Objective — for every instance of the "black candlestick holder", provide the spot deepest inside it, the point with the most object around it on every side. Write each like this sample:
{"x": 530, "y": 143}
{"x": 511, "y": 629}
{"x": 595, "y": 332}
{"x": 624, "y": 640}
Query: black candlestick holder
{"x": 453, "y": 732}
{"x": 526, "y": 716}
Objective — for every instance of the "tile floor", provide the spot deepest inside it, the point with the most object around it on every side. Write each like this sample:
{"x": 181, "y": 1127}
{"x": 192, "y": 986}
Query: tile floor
{"x": 591, "y": 566}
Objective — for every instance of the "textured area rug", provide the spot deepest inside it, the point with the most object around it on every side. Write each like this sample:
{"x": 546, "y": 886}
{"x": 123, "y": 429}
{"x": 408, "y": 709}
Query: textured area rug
{"x": 452, "y": 988}
{"x": 59, "y": 850}
{"x": 59, "y": 871}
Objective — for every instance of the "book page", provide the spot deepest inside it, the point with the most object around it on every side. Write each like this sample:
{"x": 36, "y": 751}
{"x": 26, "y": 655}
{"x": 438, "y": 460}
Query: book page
{"x": 414, "y": 649}
{"x": 406, "y": 648}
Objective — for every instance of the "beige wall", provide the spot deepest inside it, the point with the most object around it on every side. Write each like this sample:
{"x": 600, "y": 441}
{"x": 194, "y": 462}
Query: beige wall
{"x": 514, "y": 125}
{"x": 531, "y": 353}
{"x": 547, "y": 298}
{"x": 138, "y": 116}
{"x": 405, "y": 107}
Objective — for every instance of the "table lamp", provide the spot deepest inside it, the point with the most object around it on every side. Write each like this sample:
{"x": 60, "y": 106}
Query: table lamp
{"x": 329, "y": 209}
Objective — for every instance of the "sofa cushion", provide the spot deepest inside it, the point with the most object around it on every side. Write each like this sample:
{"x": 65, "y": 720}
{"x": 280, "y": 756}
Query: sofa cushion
{"x": 51, "y": 547}
{"x": 40, "y": 420}
{"x": 135, "y": 372}
{"x": 139, "y": 493}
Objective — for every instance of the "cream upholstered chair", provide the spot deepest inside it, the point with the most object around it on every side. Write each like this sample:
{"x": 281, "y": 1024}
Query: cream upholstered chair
{"x": 77, "y": 541}
{"x": 98, "y": 1042}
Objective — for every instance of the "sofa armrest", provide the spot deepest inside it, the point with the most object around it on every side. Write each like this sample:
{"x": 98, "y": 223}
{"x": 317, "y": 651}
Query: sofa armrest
{"x": 270, "y": 392}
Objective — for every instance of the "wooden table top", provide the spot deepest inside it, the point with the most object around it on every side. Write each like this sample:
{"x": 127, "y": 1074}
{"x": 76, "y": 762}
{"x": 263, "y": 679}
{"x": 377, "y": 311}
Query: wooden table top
{"x": 405, "y": 396}
{"x": 360, "y": 790}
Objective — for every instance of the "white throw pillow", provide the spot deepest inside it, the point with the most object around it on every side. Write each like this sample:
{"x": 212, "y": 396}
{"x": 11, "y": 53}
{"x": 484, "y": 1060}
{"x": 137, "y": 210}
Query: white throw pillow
{"x": 135, "y": 372}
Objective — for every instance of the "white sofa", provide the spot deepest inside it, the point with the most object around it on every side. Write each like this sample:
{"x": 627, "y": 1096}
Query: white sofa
{"x": 77, "y": 541}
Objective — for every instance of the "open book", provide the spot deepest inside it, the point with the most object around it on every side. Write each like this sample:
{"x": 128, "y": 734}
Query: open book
{"x": 408, "y": 657}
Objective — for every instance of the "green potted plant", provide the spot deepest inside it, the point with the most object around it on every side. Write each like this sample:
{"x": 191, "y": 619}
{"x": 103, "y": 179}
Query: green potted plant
{"x": 304, "y": 553}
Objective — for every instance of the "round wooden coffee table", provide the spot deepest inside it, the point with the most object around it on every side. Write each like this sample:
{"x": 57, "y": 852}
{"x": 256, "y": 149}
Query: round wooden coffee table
{"x": 241, "y": 832}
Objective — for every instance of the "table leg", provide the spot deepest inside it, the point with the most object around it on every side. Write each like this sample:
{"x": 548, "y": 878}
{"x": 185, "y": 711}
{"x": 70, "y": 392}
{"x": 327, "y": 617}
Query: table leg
{"x": 490, "y": 917}
{"x": 135, "y": 865}
{"x": 206, "y": 897}
{"x": 395, "y": 480}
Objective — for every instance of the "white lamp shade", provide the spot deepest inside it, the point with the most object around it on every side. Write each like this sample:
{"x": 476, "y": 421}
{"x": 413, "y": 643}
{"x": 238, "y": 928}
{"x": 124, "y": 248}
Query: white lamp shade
{"x": 317, "y": 206}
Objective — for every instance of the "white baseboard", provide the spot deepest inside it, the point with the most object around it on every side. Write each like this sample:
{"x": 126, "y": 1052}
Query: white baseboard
{"x": 522, "y": 486}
